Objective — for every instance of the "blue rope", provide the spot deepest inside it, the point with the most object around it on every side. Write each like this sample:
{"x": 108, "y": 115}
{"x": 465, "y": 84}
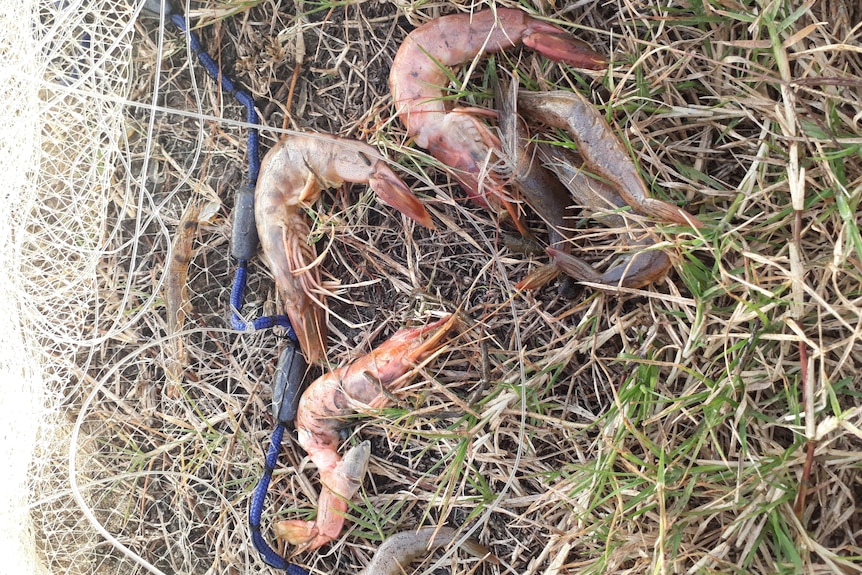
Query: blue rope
{"x": 236, "y": 297}
{"x": 246, "y": 250}
{"x": 269, "y": 555}
{"x": 230, "y": 87}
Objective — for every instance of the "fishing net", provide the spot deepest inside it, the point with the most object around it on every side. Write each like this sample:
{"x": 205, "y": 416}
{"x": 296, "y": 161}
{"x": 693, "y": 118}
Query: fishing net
{"x": 557, "y": 430}
{"x": 64, "y": 88}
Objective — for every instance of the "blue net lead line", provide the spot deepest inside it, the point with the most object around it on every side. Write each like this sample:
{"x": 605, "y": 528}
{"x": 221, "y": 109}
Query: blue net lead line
{"x": 246, "y": 248}
{"x": 255, "y": 510}
{"x": 228, "y": 86}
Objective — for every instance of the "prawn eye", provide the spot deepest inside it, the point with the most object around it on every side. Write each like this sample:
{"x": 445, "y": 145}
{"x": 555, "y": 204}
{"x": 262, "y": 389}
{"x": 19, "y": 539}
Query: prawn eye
{"x": 365, "y": 158}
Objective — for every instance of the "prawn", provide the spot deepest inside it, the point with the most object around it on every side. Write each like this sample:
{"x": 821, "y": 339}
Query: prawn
{"x": 400, "y": 549}
{"x": 602, "y": 152}
{"x": 176, "y": 290}
{"x": 291, "y": 177}
{"x": 549, "y": 182}
{"x": 457, "y": 138}
{"x": 596, "y": 198}
{"x": 364, "y": 384}
{"x": 177, "y": 302}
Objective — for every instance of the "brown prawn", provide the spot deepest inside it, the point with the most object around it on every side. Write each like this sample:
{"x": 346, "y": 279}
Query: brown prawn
{"x": 176, "y": 290}
{"x": 553, "y": 184}
{"x": 401, "y": 549}
{"x": 456, "y": 137}
{"x": 291, "y": 177}
{"x": 364, "y": 384}
{"x": 603, "y": 153}
{"x": 599, "y": 200}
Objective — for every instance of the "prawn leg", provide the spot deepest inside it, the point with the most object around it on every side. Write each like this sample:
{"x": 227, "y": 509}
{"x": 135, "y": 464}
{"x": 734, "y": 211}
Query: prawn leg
{"x": 363, "y": 384}
{"x": 291, "y": 177}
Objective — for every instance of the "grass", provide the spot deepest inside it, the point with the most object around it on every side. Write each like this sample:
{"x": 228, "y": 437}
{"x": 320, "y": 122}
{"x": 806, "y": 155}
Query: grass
{"x": 706, "y": 423}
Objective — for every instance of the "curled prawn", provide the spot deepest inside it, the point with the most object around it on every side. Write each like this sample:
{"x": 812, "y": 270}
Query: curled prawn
{"x": 292, "y": 175}
{"x": 456, "y": 137}
{"x": 553, "y": 182}
{"x": 364, "y": 384}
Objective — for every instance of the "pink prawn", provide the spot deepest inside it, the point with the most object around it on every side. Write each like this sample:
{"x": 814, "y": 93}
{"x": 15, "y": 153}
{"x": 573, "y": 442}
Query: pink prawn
{"x": 364, "y": 384}
{"x": 456, "y": 137}
{"x": 291, "y": 177}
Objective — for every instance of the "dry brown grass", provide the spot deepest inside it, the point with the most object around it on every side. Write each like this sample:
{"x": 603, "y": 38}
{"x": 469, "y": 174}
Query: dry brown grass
{"x": 708, "y": 423}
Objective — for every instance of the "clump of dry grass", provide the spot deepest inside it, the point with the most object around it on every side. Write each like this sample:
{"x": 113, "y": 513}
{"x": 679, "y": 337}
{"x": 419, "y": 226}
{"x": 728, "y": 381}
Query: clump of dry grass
{"x": 707, "y": 423}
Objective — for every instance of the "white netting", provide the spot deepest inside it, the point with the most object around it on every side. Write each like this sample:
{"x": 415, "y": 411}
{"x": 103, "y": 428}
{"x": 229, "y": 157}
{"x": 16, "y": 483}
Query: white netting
{"x": 89, "y": 220}
{"x": 64, "y": 83}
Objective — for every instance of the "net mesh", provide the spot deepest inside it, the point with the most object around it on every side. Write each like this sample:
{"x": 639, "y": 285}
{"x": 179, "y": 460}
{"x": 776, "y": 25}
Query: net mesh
{"x": 64, "y": 92}
{"x": 134, "y": 439}
{"x": 119, "y": 467}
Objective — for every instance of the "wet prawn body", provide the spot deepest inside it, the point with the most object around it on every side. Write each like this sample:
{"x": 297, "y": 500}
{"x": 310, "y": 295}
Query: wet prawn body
{"x": 292, "y": 175}
{"x": 362, "y": 385}
{"x": 419, "y": 77}
{"x": 177, "y": 303}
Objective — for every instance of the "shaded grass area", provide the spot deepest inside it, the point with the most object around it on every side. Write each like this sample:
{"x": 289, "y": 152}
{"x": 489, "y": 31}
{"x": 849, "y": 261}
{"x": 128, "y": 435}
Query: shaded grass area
{"x": 707, "y": 423}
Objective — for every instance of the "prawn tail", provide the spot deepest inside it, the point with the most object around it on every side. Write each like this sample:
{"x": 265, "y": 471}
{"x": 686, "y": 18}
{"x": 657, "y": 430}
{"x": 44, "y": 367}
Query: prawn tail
{"x": 636, "y": 271}
{"x": 560, "y": 47}
{"x": 395, "y": 193}
{"x": 639, "y": 269}
{"x": 340, "y": 484}
{"x": 296, "y": 531}
{"x": 574, "y": 267}
{"x": 668, "y": 212}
